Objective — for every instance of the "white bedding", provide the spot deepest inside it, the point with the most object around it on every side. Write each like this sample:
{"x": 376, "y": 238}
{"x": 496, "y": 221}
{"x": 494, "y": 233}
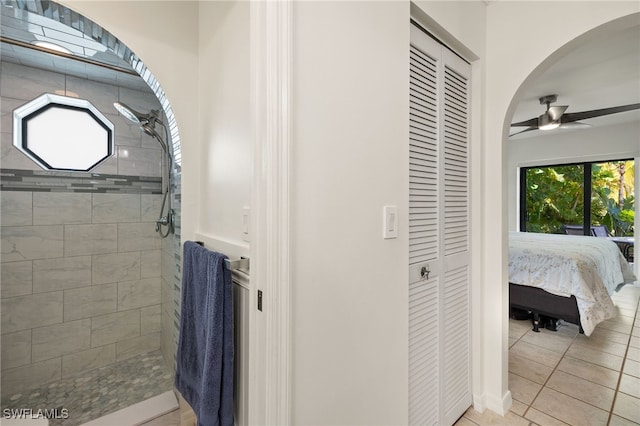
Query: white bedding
{"x": 589, "y": 268}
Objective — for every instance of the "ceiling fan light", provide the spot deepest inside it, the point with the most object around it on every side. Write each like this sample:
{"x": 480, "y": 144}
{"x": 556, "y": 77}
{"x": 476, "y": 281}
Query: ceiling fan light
{"x": 549, "y": 126}
{"x": 545, "y": 122}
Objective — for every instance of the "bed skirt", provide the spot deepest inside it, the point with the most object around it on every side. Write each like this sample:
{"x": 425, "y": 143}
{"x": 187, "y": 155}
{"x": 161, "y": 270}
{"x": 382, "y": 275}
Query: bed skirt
{"x": 540, "y": 302}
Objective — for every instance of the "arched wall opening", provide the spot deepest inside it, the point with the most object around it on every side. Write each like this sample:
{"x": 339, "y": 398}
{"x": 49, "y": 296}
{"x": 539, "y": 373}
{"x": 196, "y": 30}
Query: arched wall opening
{"x": 119, "y": 258}
{"x": 515, "y": 47}
{"x": 625, "y": 148}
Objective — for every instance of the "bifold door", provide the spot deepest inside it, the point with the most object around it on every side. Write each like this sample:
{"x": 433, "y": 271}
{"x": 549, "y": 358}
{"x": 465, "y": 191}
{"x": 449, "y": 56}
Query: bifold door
{"x": 439, "y": 293}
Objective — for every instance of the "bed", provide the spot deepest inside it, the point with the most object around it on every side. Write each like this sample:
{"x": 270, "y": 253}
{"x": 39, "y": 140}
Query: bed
{"x": 568, "y": 277}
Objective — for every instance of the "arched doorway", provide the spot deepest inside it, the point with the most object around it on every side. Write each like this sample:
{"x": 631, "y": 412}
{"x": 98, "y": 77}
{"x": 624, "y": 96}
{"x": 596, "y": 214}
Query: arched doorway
{"x": 598, "y": 84}
{"x": 101, "y": 326}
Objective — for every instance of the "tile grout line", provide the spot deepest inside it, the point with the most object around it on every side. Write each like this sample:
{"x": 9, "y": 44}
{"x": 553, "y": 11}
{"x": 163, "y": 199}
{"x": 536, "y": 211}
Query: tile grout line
{"x": 624, "y": 360}
{"x": 547, "y": 380}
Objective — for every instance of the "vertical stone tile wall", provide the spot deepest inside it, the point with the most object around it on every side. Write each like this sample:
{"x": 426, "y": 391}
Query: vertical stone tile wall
{"x": 81, "y": 266}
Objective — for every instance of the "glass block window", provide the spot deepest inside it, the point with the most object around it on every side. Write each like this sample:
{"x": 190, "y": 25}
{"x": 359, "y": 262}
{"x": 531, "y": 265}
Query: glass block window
{"x": 62, "y": 133}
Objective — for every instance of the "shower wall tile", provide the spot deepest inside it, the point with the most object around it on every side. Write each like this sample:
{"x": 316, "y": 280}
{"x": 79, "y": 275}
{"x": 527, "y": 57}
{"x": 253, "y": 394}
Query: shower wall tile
{"x": 109, "y": 167}
{"x": 126, "y": 133}
{"x": 151, "y": 204}
{"x": 17, "y": 279}
{"x": 140, "y": 101}
{"x": 167, "y": 340}
{"x": 111, "y": 268}
{"x": 150, "y": 319}
{"x": 139, "y": 161}
{"x": 136, "y": 294}
{"x": 62, "y": 273}
{"x": 168, "y": 267}
{"x": 88, "y": 360}
{"x": 101, "y": 95}
{"x": 136, "y": 346}
{"x": 6, "y": 113}
{"x": 150, "y": 263}
{"x": 31, "y": 242}
{"x": 11, "y": 157}
{"x": 90, "y": 301}
{"x": 114, "y": 208}
{"x": 59, "y": 208}
{"x": 20, "y": 82}
{"x": 36, "y": 310}
{"x": 90, "y": 239}
{"x": 60, "y": 339}
{"x": 150, "y": 142}
{"x": 72, "y": 240}
{"x": 110, "y": 328}
{"x": 16, "y": 208}
{"x": 137, "y": 236}
{"x": 16, "y": 349}
{"x": 18, "y": 379}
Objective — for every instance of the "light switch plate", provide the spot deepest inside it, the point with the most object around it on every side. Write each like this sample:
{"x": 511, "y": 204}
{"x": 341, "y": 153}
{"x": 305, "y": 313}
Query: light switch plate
{"x": 246, "y": 223}
{"x": 390, "y": 222}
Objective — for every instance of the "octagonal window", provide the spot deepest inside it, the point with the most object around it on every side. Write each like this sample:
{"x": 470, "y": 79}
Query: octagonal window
{"x": 62, "y": 133}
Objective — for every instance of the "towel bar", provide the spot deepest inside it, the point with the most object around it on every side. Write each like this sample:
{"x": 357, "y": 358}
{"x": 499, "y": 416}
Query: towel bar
{"x": 242, "y": 263}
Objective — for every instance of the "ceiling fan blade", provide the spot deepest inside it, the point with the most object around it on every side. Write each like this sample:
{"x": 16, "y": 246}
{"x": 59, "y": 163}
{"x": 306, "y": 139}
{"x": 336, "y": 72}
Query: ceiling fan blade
{"x": 555, "y": 112}
{"x": 525, "y": 130}
{"x": 574, "y": 125}
{"x": 526, "y": 123}
{"x": 575, "y": 116}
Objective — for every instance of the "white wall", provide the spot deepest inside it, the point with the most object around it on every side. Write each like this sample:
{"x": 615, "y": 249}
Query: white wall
{"x": 350, "y": 109}
{"x": 350, "y": 132}
{"x": 225, "y": 125}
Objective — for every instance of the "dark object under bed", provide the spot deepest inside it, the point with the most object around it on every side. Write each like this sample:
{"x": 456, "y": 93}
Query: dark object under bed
{"x": 539, "y": 302}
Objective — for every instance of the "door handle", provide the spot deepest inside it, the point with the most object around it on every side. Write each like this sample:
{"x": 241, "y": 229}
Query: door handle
{"x": 424, "y": 272}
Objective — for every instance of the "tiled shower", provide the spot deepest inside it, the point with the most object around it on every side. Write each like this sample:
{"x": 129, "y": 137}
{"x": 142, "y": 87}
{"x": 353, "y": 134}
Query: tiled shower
{"x": 87, "y": 284}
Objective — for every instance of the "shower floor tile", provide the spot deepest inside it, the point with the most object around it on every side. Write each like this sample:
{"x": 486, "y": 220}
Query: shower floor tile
{"x": 98, "y": 392}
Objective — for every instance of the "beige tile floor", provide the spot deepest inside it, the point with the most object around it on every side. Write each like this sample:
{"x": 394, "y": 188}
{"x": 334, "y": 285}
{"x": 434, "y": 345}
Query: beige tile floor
{"x": 565, "y": 378}
{"x": 557, "y": 378}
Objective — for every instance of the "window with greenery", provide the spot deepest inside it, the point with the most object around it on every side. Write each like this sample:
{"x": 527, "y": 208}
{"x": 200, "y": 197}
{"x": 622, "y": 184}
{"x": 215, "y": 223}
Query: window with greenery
{"x": 584, "y": 194}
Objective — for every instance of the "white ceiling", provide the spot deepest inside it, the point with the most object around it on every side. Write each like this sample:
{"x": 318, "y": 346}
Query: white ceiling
{"x": 601, "y": 73}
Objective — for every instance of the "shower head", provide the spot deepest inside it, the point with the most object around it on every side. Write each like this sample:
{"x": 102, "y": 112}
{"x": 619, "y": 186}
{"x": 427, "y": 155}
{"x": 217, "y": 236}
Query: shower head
{"x": 133, "y": 115}
{"x": 147, "y": 122}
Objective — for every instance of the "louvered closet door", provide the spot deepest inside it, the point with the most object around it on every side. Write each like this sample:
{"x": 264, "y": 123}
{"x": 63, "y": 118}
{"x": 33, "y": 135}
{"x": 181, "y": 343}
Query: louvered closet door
{"x": 439, "y": 339}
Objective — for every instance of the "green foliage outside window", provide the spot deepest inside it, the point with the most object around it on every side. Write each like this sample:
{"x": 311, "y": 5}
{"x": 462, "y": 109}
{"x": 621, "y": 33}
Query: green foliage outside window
{"x": 554, "y": 197}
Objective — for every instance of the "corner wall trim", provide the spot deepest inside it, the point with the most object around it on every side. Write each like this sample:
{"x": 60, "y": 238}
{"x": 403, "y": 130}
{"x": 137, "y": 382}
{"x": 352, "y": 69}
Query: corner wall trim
{"x": 270, "y": 365}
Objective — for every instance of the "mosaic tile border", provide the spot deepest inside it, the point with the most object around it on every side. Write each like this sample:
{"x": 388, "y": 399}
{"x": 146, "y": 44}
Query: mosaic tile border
{"x": 46, "y": 181}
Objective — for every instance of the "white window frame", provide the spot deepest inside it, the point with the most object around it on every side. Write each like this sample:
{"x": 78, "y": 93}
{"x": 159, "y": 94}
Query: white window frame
{"x": 24, "y": 113}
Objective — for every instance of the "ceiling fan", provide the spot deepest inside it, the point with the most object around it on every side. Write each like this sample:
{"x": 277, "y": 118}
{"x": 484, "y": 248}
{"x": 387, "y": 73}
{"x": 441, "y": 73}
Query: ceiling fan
{"x": 555, "y": 117}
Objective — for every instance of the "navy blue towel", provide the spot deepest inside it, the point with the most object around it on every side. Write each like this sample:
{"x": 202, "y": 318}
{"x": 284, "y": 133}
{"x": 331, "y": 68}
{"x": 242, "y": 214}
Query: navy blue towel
{"x": 204, "y": 362}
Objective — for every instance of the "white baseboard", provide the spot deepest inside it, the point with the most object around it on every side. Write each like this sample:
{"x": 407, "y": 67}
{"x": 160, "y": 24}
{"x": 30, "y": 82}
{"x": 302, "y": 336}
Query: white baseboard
{"x": 500, "y": 405}
{"x": 479, "y": 403}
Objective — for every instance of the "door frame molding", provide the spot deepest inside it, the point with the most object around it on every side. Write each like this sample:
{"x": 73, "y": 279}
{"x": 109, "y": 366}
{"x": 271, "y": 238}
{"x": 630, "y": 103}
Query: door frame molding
{"x": 271, "y": 83}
